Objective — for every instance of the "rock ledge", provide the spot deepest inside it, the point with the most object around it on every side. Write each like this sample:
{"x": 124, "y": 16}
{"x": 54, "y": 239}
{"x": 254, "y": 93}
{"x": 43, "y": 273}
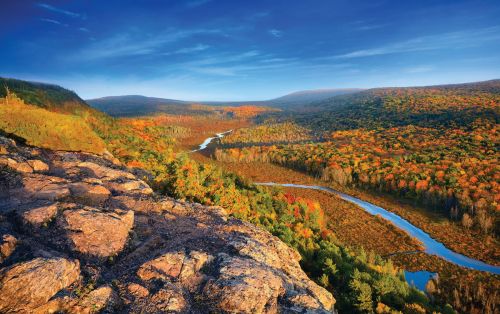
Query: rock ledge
{"x": 81, "y": 234}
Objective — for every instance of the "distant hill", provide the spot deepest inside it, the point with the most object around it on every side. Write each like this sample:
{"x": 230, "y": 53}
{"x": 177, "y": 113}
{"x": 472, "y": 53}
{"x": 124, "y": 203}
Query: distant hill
{"x": 447, "y": 105}
{"x": 301, "y": 99}
{"x": 408, "y": 96}
{"x": 137, "y": 105}
{"x": 47, "y": 96}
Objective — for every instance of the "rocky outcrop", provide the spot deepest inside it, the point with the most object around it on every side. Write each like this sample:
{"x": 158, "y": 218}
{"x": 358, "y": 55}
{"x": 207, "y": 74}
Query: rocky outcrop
{"x": 28, "y": 285}
{"x": 94, "y": 232}
{"x": 38, "y": 216}
{"x": 81, "y": 234}
{"x": 42, "y": 187}
{"x": 101, "y": 299}
{"x": 7, "y": 246}
{"x": 38, "y": 165}
{"x": 89, "y": 194}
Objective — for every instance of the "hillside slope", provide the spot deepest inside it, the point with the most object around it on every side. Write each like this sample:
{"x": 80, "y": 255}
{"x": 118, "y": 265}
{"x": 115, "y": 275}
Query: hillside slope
{"x": 361, "y": 102}
{"x": 40, "y": 127}
{"x": 48, "y": 96}
{"x": 61, "y": 120}
{"x": 105, "y": 188}
{"x": 133, "y": 106}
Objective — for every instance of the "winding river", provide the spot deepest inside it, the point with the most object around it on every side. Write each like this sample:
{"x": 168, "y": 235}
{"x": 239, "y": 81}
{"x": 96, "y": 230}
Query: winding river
{"x": 431, "y": 246}
{"x": 209, "y": 140}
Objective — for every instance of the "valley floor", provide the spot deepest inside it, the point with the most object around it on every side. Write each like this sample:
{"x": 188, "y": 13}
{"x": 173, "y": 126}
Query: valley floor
{"x": 352, "y": 225}
{"x": 478, "y": 247}
{"x": 204, "y": 128}
{"x": 356, "y": 228}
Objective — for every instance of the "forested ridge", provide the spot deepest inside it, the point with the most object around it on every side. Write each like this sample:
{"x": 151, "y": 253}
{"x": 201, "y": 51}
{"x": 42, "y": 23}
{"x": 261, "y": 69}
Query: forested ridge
{"x": 446, "y": 106}
{"x": 48, "y": 96}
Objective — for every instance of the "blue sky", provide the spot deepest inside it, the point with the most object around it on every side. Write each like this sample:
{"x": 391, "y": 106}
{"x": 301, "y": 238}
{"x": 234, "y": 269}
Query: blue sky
{"x": 247, "y": 50}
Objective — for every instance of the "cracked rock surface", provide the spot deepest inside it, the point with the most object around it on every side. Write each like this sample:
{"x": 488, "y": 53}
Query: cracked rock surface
{"x": 80, "y": 233}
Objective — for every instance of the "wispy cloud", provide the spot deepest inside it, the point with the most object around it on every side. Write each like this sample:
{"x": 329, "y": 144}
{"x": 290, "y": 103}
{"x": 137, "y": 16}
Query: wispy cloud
{"x": 370, "y": 27}
{"x": 51, "y": 21}
{"x": 366, "y": 25}
{"x": 256, "y": 63}
{"x": 235, "y": 70}
{"x": 274, "y": 60}
{"x": 228, "y": 64}
{"x": 84, "y": 29}
{"x": 260, "y": 67}
{"x": 276, "y": 32}
{"x": 453, "y": 40}
{"x": 225, "y": 58}
{"x": 248, "y": 54}
{"x": 61, "y": 11}
{"x": 219, "y": 71}
{"x": 134, "y": 44}
{"x": 197, "y": 48}
{"x": 258, "y": 15}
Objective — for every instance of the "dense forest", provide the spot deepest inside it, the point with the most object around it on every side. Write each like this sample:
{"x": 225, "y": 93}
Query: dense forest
{"x": 135, "y": 106}
{"x": 451, "y": 171}
{"x": 437, "y": 145}
{"x": 285, "y": 132}
{"x": 361, "y": 281}
{"x": 40, "y": 127}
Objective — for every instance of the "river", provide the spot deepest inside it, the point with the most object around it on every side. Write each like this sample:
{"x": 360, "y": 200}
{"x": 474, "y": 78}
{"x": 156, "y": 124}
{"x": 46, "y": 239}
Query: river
{"x": 209, "y": 140}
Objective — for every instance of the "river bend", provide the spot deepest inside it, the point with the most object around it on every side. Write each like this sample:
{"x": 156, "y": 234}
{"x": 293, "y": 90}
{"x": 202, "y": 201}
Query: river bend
{"x": 431, "y": 245}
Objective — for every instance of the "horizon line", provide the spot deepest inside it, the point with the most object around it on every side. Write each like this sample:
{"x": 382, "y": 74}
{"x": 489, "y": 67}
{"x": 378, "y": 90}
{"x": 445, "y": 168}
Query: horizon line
{"x": 36, "y": 81}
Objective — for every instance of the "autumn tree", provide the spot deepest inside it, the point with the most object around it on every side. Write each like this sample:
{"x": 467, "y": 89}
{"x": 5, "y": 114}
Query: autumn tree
{"x": 467, "y": 221}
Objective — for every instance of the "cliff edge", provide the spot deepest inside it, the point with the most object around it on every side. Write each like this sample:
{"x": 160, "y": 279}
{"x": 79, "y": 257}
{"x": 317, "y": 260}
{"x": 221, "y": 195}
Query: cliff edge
{"x": 80, "y": 233}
